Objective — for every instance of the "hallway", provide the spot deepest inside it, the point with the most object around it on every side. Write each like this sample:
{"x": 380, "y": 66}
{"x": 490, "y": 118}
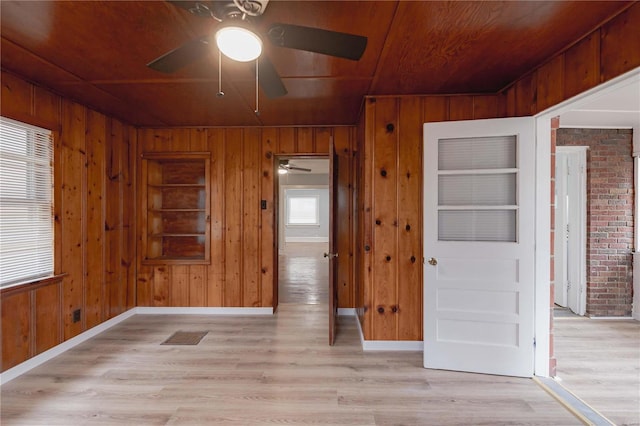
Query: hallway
{"x": 303, "y": 273}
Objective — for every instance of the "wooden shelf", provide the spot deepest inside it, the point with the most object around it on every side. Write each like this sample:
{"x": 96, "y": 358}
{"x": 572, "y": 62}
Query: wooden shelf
{"x": 176, "y": 208}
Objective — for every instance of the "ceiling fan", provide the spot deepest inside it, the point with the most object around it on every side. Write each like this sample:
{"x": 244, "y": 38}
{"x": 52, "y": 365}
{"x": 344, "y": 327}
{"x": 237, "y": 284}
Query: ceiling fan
{"x": 238, "y": 15}
{"x": 285, "y": 166}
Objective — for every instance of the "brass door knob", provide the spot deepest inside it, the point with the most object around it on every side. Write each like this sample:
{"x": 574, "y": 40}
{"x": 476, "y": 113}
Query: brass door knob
{"x": 432, "y": 261}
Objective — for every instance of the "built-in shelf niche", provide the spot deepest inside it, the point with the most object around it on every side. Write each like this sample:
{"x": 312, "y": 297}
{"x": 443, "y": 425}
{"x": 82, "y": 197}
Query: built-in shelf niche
{"x": 176, "y": 217}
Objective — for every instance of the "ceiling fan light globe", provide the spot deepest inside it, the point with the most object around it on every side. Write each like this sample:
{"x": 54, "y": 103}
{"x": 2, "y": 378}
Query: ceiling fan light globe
{"x": 239, "y": 44}
{"x": 282, "y": 171}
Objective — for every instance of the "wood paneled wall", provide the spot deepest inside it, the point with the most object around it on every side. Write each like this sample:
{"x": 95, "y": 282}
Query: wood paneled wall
{"x": 94, "y": 238}
{"x": 243, "y": 236}
{"x": 389, "y": 204}
{"x": 389, "y": 260}
{"x": 607, "y": 52}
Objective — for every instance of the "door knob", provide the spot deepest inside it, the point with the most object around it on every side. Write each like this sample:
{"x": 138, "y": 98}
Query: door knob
{"x": 433, "y": 261}
{"x": 331, "y": 255}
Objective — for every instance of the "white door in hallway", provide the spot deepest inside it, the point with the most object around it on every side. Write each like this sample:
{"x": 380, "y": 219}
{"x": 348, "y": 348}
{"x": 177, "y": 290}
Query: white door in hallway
{"x": 479, "y": 189}
{"x": 571, "y": 227}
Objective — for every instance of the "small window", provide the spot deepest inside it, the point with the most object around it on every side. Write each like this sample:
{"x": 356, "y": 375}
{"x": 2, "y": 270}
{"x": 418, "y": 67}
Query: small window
{"x": 302, "y": 210}
{"x": 26, "y": 206}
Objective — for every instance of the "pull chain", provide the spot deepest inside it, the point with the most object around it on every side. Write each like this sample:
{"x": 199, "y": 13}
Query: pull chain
{"x": 257, "y": 111}
{"x": 220, "y": 93}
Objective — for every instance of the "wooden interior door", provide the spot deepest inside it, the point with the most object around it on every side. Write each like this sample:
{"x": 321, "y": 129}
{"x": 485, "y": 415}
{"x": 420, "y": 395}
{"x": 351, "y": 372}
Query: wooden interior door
{"x": 332, "y": 255}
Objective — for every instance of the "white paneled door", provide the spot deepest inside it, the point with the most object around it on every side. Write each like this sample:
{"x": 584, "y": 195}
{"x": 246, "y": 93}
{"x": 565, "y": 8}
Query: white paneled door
{"x": 479, "y": 183}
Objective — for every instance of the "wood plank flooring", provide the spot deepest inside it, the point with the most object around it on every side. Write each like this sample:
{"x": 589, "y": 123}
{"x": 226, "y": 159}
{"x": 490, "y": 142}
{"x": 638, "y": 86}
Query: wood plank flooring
{"x": 275, "y": 370}
{"x": 303, "y": 273}
{"x": 599, "y": 361}
{"x": 261, "y": 371}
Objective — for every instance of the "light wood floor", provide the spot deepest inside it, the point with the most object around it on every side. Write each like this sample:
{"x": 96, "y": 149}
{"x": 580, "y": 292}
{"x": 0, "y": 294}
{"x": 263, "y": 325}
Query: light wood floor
{"x": 262, "y": 371}
{"x": 599, "y": 361}
{"x": 259, "y": 371}
{"x": 303, "y": 273}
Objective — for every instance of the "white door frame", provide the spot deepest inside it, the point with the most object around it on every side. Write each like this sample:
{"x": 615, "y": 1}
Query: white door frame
{"x": 572, "y": 252}
{"x": 543, "y": 211}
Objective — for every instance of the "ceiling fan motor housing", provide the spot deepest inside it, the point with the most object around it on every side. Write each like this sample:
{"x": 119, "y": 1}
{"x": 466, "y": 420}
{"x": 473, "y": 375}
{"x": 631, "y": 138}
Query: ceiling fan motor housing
{"x": 238, "y": 8}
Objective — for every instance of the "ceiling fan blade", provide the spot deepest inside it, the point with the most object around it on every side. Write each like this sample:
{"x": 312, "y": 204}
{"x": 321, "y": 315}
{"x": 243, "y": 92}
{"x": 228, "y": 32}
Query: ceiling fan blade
{"x": 302, "y": 169}
{"x": 177, "y": 58}
{"x": 342, "y": 45}
{"x": 269, "y": 79}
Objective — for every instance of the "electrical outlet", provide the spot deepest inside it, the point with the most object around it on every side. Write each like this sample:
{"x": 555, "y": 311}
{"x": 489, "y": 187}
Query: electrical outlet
{"x": 76, "y": 315}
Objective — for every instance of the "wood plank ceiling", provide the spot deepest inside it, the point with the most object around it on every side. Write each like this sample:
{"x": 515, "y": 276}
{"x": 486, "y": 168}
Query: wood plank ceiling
{"x": 95, "y": 52}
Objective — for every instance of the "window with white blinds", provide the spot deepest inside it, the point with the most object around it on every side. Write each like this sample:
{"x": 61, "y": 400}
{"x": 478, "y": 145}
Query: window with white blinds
{"x": 26, "y": 206}
{"x": 477, "y": 189}
{"x": 302, "y": 209}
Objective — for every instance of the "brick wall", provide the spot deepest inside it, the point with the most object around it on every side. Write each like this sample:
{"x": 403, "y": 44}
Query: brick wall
{"x": 609, "y": 217}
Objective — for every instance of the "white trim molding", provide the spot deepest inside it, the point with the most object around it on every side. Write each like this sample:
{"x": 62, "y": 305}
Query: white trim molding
{"x": 143, "y": 310}
{"x": 388, "y": 345}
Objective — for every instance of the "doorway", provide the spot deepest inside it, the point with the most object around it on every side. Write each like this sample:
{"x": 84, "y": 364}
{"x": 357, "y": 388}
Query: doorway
{"x": 303, "y": 230}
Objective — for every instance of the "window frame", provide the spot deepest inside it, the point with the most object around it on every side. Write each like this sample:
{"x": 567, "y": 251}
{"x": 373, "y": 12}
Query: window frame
{"x": 289, "y": 197}
{"x": 47, "y": 275}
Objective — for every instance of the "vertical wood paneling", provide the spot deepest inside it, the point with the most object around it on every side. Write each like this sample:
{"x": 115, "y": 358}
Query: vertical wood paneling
{"x": 233, "y": 217}
{"x": 251, "y": 291}
{"x": 17, "y": 96}
{"x": 16, "y": 324}
{"x": 526, "y": 95}
{"x": 409, "y": 306}
{"x": 179, "y": 285}
{"x": 96, "y": 200}
{"x": 461, "y": 108}
{"x": 128, "y": 211}
{"x": 197, "y": 285}
{"x": 305, "y": 140}
{"x": 385, "y": 216}
{"x": 550, "y": 83}
{"x": 620, "y": 44}
{"x": 322, "y": 135}
{"x": 485, "y": 107}
{"x": 46, "y": 106}
{"x": 47, "y": 317}
{"x": 113, "y": 221}
{"x": 73, "y": 211}
{"x": 344, "y": 219}
{"x": 79, "y": 199}
{"x": 287, "y": 141}
{"x": 217, "y": 271}
{"x": 582, "y": 65}
{"x": 161, "y": 286}
{"x": 367, "y": 216}
{"x": 436, "y": 108}
{"x": 269, "y": 276}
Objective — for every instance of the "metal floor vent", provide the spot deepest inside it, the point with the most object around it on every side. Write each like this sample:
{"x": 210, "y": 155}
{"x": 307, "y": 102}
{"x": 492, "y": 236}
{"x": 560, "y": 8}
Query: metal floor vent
{"x": 185, "y": 338}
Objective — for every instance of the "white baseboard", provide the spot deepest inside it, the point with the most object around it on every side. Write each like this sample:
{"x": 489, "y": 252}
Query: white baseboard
{"x": 306, "y": 239}
{"x": 144, "y": 310}
{"x": 45, "y": 356}
{"x": 346, "y": 312}
{"x": 388, "y": 345}
{"x": 31, "y": 363}
{"x": 610, "y": 318}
